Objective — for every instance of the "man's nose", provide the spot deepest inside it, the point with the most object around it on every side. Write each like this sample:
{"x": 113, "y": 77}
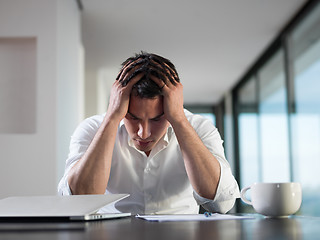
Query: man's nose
{"x": 144, "y": 130}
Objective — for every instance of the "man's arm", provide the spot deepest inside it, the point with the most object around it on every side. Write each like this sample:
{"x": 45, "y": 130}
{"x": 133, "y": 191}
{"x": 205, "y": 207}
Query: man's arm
{"x": 202, "y": 167}
{"x": 91, "y": 173}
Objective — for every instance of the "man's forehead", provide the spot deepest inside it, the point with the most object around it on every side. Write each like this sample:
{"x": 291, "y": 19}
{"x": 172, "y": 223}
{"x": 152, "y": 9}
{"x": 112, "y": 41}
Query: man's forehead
{"x": 155, "y": 117}
{"x": 152, "y": 107}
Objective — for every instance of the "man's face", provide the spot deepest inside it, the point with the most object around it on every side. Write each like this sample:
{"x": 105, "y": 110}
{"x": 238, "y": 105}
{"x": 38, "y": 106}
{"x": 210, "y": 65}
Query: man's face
{"x": 145, "y": 122}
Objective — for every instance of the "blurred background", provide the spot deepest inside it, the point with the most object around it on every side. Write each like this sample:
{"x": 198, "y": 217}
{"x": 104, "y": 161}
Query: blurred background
{"x": 250, "y": 66}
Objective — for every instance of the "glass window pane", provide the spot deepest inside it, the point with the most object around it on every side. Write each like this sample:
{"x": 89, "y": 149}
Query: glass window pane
{"x": 249, "y": 149}
{"x": 248, "y": 134}
{"x": 305, "y": 119}
{"x": 273, "y": 120}
{"x": 204, "y": 111}
{"x": 249, "y": 160}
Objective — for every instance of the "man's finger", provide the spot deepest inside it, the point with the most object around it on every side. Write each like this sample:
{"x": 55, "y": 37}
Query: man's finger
{"x": 158, "y": 81}
{"x": 124, "y": 71}
{"x": 134, "y": 80}
{"x": 172, "y": 73}
{"x": 129, "y": 69}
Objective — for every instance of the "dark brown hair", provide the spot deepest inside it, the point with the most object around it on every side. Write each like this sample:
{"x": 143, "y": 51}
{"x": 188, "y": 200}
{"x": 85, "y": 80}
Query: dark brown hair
{"x": 151, "y": 65}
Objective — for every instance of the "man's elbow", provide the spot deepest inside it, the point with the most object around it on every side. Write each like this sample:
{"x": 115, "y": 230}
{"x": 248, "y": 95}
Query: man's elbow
{"x": 221, "y": 206}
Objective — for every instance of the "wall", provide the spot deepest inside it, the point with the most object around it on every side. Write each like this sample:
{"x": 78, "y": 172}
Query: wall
{"x": 70, "y": 81}
{"x": 18, "y": 75}
{"x": 30, "y": 162}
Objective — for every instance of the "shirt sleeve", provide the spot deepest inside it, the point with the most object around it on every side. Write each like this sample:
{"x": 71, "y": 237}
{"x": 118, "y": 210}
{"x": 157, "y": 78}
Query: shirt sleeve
{"x": 228, "y": 189}
{"x": 227, "y": 192}
{"x": 80, "y": 141}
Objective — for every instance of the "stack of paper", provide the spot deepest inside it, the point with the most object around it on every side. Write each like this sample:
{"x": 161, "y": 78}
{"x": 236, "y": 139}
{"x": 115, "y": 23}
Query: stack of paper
{"x": 191, "y": 217}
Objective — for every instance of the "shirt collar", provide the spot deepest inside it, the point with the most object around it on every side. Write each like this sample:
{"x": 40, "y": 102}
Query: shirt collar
{"x": 163, "y": 142}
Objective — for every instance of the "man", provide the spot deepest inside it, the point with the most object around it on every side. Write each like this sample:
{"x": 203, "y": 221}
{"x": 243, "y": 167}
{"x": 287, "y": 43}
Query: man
{"x": 148, "y": 145}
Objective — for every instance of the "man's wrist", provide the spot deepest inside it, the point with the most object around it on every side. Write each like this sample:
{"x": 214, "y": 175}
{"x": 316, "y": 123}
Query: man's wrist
{"x": 179, "y": 121}
{"x": 112, "y": 119}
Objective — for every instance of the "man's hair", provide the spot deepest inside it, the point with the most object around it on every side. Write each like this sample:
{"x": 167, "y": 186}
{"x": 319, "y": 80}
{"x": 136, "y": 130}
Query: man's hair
{"x": 150, "y": 65}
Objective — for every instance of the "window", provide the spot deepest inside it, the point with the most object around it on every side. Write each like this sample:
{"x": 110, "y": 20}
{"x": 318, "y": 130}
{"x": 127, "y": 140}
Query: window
{"x": 206, "y": 111}
{"x": 277, "y": 112}
{"x": 305, "y": 115}
{"x": 273, "y": 121}
{"x": 249, "y": 161}
{"x": 248, "y": 134}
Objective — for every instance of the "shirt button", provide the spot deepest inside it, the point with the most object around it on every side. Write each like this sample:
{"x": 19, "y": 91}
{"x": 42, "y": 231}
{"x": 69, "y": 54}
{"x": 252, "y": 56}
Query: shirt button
{"x": 155, "y": 165}
{"x": 147, "y": 169}
{"x": 231, "y": 192}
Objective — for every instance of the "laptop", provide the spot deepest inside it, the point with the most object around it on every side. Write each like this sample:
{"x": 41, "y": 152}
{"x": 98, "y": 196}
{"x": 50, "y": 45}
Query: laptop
{"x": 74, "y": 207}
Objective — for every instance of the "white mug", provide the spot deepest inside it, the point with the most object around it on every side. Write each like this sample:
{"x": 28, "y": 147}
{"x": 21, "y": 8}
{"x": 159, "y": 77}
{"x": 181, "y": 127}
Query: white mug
{"x": 274, "y": 199}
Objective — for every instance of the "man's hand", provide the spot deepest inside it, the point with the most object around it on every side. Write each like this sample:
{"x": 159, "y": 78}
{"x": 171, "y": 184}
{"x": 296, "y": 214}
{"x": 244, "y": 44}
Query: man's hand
{"x": 172, "y": 99}
{"x": 120, "y": 95}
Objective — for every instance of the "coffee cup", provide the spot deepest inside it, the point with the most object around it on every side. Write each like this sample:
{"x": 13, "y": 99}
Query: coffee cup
{"x": 274, "y": 199}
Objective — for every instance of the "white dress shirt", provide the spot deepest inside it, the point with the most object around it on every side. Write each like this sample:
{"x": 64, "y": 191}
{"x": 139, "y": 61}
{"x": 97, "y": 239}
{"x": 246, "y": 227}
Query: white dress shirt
{"x": 158, "y": 183}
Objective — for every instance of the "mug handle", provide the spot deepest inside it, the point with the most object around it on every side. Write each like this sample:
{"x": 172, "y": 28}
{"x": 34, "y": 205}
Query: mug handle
{"x": 243, "y": 195}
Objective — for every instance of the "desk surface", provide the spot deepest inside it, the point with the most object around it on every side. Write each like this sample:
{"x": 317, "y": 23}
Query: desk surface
{"x": 295, "y": 227}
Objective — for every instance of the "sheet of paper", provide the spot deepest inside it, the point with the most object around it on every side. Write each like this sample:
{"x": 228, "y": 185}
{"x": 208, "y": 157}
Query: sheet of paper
{"x": 191, "y": 217}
